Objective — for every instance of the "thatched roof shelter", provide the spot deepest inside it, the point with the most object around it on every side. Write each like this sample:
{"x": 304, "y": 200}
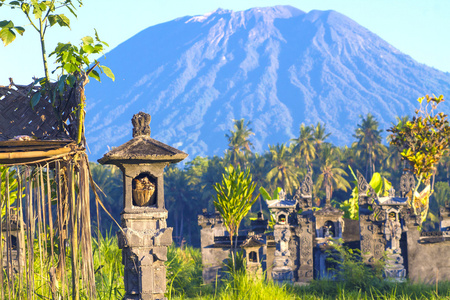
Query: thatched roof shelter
{"x": 42, "y": 138}
{"x": 36, "y": 134}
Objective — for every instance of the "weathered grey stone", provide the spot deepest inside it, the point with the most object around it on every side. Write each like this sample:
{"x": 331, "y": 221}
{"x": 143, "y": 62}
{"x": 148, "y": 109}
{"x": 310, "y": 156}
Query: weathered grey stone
{"x": 296, "y": 251}
{"x": 145, "y": 236}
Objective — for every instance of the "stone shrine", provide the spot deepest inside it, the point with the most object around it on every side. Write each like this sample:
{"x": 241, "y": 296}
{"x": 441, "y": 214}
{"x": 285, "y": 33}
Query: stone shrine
{"x": 145, "y": 235}
{"x": 297, "y": 250}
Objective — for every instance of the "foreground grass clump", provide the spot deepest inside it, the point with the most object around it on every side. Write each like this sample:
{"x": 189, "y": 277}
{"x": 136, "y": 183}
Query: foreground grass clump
{"x": 245, "y": 287}
{"x": 108, "y": 268}
{"x": 353, "y": 280}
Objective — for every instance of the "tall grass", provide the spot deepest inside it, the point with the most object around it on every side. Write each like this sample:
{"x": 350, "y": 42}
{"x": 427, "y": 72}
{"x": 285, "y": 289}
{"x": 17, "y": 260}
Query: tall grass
{"x": 184, "y": 281}
{"x": 108, "y": 268}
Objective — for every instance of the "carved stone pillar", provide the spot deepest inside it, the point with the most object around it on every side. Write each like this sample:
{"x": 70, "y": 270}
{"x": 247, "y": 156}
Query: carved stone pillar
{"x": 305, "y": 230}
{"x": 282, "y": 265}
{"x": 305, "y": 233}
{"x": 145, "y": 235}
{"x": 370, "y": 222}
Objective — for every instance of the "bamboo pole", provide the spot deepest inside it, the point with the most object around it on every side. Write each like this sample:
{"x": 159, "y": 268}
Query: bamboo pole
{"x": 31, "y": 234}
{"x": 61, "y": 260}
{"x": 8, "y": 237}
{"x": 22, "y": 229}
{"x": 38, "y": 198}
{"x": 74, "y": 231}
{"x": 2, "y": 296}
{"x": 34, "y": 154}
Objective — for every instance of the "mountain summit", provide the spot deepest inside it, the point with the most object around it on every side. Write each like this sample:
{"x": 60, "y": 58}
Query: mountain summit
{"x": 277, "y": 67}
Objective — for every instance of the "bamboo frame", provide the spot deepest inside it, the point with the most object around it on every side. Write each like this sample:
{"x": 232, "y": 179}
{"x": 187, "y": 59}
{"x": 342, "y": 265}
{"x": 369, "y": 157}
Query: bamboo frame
{"x": 73, "y": 226}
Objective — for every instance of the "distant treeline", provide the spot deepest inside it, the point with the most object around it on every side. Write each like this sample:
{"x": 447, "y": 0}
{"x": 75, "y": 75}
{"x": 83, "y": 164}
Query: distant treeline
{"x": 189, "y": 190}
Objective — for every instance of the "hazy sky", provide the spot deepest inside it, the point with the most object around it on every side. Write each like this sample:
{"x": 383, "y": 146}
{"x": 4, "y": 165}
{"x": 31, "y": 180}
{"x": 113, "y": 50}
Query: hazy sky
{"x": 419, "y": 28}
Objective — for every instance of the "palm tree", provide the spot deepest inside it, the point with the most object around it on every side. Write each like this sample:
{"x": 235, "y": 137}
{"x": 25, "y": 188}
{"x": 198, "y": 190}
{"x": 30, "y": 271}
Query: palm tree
{"x": 109, "y": 179}
{"x": 369, "y": 147}
{"x": 239, "y": 145}
{"x": 304, "y": 145}
{"x": 319, "y": 134}
{"x": 178, "y": 200}
{"x": 332, "y": 172}
{"x": 282, "y": 170}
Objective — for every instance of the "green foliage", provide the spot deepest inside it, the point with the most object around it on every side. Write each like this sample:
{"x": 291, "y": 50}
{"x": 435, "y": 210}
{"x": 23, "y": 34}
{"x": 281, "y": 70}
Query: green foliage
{"x": 380, "y": 185}
{"x": 108, "y": 179}
{"x": 8, "y": 31}
{"x": 352, "y": 272}
{"x": 184, "y": 271}
{"x": 281, "y": 168}
{"x": 234, "y": 197}
{"x": 266, "y": 196}
{"x": 442, "y": 193}
{"x": 73, "y": 59}
{"x": 331, "y": 171}
{"x": 239, "y": 145}
{"x": 12, "y": 187}
{"x": 108, "y": 268}
{"x": 368, "y": 146}
{"x": 245, "y": 286}
{"x": 423, "y": 142}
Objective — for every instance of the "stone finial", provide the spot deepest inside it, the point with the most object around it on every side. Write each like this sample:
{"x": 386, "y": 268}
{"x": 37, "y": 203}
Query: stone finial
{"x": 141, "y": 124}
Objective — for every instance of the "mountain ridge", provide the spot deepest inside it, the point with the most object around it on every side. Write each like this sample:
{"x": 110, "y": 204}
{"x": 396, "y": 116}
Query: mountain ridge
{"x": 276, "y": 67}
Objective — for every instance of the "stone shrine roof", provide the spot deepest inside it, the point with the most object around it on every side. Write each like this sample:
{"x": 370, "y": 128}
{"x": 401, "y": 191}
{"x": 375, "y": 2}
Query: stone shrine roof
{"x": 252, "y": 242}
{"x": 142, "y": 149}
{"x": 392, "y": 201}
{"x": 278, "y": 203}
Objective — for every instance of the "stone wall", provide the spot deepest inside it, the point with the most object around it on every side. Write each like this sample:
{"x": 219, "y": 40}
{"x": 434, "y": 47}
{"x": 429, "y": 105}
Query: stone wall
{"x": 427, "y": 260}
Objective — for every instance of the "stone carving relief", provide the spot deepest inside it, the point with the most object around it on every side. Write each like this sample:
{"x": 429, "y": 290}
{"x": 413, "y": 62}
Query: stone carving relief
{"x": 393, "y": 231}
{"x": 307, "y": 185}
{"x": 366, "y": 193}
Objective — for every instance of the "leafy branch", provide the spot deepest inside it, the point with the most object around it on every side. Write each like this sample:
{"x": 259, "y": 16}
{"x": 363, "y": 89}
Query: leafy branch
{"x": 73, "y": 61}
{"x": 422, "y": 142}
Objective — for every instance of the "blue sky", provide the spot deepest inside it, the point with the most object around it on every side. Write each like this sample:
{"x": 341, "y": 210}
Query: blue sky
{"x": 419, "y": 28}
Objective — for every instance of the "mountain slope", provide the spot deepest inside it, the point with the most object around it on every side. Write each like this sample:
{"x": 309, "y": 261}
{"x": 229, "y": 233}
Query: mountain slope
{"x": 275, "y": 66}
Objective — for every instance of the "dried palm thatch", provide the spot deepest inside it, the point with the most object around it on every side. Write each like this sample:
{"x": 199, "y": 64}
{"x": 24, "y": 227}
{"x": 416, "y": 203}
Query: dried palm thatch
{"x": 45, "y": 228}
{"x": 46, "y": 244}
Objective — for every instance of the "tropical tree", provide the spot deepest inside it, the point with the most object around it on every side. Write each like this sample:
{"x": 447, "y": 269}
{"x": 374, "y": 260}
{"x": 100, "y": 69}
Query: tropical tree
{"x": 211, "y": 175}
{"x": 234, "y": 199}
{"x": 369, "y": 146}
{"x": 332, "y": 172}
{"x": 239, "y": 145}
{"x": 423, "y": 142}
{"x": 305, "y": 144}
{"x": 109, "y": 181}
{"x": 179, "y": 199}
{"x": 320, "y": 135}
{"x": 282, "y": 171}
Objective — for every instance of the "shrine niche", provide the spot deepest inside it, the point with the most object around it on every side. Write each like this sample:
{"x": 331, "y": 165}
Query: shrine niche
{"x": 144, "y": 186}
